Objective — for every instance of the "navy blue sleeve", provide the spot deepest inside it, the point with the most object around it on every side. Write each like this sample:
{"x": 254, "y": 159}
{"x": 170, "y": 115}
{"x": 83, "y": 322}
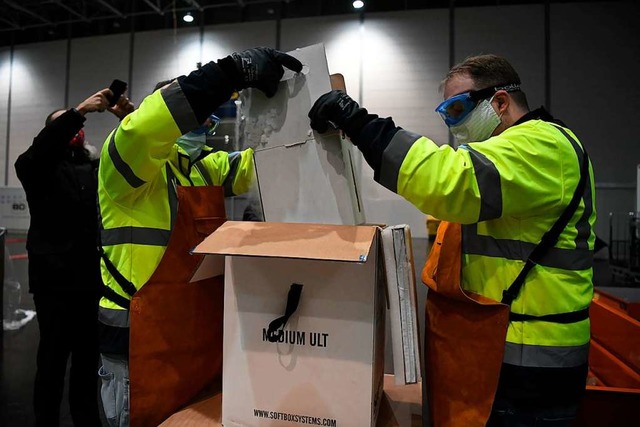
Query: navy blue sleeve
{"x": 206, "y": 89}
{"x": 371, "y": 135}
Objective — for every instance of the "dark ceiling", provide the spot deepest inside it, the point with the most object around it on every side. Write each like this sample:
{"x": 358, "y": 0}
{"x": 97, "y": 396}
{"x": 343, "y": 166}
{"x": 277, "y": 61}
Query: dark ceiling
{"x": 27, "y": 21}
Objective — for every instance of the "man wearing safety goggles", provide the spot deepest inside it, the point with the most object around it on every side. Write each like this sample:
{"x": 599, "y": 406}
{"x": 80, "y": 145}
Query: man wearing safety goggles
{"x": 520, "y": 357}
{"x": 470, "y": 115}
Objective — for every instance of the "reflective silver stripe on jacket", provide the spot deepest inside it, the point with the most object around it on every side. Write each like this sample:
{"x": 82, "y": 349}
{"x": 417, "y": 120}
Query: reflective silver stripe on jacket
{"x": 539, "y": 356}
{"x": 139, "y": 236}
{"x": 121, "y": 166}
{"x": 203, "y": 173}
{"x": 488, "y": 179}
{"x": 145, "y": 235}
{"x": 234, "y": 164}
{"x": 112, "y": 317}
{"x": 179, "y": 107}
{"x": 135, "y": 235}
{"x": 580, "y": 258}
{"x": 393, "y": 156}
{"x": 566, "y": 259}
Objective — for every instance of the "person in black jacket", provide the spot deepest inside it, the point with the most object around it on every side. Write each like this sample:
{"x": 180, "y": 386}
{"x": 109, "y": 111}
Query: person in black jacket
{"x": 59, "y": 175}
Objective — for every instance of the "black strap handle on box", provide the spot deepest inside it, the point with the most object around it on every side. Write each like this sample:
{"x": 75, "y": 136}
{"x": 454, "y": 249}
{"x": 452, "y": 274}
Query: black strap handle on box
{"x": 275, "y": 329}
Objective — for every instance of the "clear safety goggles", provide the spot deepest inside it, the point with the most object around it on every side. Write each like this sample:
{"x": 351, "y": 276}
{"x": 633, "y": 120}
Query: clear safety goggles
{"x": 209, "y": 127}
{"x": 457, "y": 108}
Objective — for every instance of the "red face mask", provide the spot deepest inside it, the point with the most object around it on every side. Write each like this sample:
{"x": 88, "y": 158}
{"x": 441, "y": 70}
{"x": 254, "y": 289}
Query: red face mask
{"x": 78, "y": 140}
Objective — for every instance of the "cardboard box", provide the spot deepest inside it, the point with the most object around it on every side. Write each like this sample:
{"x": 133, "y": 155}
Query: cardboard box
{"x": 327, "y": 366}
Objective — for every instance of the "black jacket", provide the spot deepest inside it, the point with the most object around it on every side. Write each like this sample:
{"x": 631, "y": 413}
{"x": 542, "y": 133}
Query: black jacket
{"x": 61, "y": 186}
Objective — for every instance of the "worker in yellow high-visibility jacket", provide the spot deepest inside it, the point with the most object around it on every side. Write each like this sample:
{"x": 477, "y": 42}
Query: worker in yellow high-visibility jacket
{"x": 159, "y": 148}
{"x": 507, "y": 183}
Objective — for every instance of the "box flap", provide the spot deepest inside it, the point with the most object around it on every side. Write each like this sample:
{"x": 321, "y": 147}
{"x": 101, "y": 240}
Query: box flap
{"x": 290, "y": 240}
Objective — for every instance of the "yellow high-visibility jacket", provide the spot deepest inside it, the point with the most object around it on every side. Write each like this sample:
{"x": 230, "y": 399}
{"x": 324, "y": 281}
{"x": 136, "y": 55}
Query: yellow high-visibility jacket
{"x": 139, "y": 169}
{"x": 507, "y": 192}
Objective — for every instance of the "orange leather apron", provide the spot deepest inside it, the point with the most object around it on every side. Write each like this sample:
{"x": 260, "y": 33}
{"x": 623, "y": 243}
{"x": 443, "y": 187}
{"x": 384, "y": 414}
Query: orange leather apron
{"x": 176, "y": 326}
{"x": 464, "y": 339}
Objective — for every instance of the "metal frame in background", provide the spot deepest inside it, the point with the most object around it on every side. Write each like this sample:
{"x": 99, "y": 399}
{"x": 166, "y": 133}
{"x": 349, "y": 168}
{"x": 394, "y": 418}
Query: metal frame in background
{"x": 624, "y": 248}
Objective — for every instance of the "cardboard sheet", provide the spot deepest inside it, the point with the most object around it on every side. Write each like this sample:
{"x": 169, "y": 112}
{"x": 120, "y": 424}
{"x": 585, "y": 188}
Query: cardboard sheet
{"x": 293, "y": 240}
{"x": 403, "y": 313}
{"x": 302, "y": 176}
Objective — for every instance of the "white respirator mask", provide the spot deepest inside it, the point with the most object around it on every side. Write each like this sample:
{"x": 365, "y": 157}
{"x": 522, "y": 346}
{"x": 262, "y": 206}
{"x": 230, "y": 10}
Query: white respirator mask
{"x": 478, "y": 125}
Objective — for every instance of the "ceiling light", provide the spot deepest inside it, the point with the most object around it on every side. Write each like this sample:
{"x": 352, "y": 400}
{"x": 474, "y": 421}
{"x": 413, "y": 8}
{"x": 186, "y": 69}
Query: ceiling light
{"x": 188, "y": 17}
{"x": 358, "y": 4}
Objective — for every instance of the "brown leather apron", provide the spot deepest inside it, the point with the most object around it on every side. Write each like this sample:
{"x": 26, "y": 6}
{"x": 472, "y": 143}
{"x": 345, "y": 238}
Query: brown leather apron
{"x": 176, "y": 326}
{"x": 464, "y": 339}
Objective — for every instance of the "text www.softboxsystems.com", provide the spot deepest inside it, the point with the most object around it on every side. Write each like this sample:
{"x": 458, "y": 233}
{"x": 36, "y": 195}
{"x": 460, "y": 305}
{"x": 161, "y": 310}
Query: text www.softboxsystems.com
{"x": 294, "y": 418}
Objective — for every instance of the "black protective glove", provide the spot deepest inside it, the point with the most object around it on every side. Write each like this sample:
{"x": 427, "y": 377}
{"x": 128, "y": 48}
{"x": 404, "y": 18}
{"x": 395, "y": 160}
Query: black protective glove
{"x": 260, "y": 67}
{"x": 338, "y": 110}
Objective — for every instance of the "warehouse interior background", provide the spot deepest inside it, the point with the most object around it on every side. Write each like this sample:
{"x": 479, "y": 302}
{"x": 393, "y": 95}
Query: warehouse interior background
{"x": 578, "y": 59}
